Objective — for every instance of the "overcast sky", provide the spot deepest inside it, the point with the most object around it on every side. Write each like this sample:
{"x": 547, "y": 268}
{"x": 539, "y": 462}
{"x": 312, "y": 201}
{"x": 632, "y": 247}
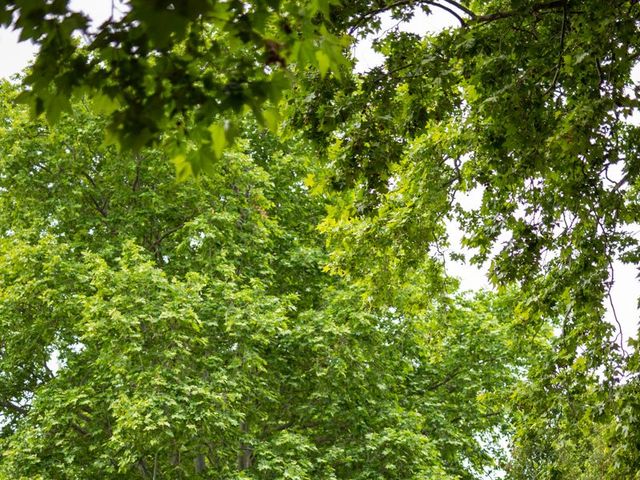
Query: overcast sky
{"x": 16, "y": 56}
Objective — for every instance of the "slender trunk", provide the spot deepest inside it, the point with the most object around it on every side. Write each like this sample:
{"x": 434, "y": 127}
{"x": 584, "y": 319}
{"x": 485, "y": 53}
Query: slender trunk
{"x": 245, "y": 457}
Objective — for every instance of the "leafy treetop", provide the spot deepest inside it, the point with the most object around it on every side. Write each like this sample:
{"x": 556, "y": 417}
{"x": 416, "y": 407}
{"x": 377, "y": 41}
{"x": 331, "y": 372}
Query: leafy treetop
{"x": 526, "y": 103}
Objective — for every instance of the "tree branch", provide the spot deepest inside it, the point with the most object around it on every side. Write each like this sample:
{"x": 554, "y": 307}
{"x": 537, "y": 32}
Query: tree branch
{"x": 453, "y": 5}
{"x": 461, "y": 7}
{"x": 403, "y": 3}
{"x": 90, "y": 178}
{"x": 79, "y": 429}
{"x": 620, "y": 334}
{"x": 136, "y": 181}
{"x": 101, "y": 208}
{"x": 559, "y": 65}
{"x": 377, "y": 11}
{"x": 156, "y": 243}
{"x": 13, "y": 407}
{"x": 445, "y": 380}
{"x": 450, "y": 11}
{"x": 142, "y": 467}
{"x": 539, "y": 7}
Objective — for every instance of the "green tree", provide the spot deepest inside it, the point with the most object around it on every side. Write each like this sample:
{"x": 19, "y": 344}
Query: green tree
{"x": 526, "y": 104}
{"x": 195, "y": 334}
{"x": 152, "y": 66}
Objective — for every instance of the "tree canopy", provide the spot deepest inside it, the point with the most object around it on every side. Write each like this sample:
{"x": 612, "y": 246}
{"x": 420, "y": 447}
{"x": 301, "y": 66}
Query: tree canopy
{"x": 195, "y": 334}
{"x": 284, "y": 311}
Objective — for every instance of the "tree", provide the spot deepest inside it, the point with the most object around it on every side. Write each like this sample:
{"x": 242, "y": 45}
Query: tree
{"x": 527, "y": 107}
{"x": 195, "y": 335}
{"x": 152, "y": 66}
{"x": 527, "y": 104}
{"x": 526, "y": 101}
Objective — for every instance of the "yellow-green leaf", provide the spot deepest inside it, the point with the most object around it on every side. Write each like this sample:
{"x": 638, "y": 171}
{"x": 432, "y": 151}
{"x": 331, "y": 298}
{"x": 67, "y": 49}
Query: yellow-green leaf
{"x": 218, "y": 138}
{"x": 271, "y": 118}
{"x": 324, "y": 62}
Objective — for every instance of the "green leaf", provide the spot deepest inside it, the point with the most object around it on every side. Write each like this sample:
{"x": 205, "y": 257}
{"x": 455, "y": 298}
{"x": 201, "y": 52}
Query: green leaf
{"x": 104, "y": 104}
{"x": 218, "y": 137}
{"x": 324, "y": 62}
{"x": 271, "y": 118}
{"x": 55, "y": 105}
{"x": 183, "y": 168}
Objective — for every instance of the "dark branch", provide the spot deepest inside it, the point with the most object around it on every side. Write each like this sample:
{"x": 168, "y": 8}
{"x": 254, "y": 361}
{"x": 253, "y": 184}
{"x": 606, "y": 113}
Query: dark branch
{"x": 434, "y": 386}
{"x": 79, "y": 429}
{"x": 450, "y": 11}
{"x": 460, "y": 7}
{"x": 378, "y": 11}
{"x": 556, "y": 75}
{"x": 452, "y": 7}
{"x": 142, "y": 466}
{"x": 136, "y": 181}
{"x": 620, "y": 334}
{"x": 100, "y": 207}
{"x": 90, "y": 178}
{"x": 14, "y": 408}
{"x": 516, "y": 13}
{"x": 432, "y": 3}
{"x": 164, "y": 235}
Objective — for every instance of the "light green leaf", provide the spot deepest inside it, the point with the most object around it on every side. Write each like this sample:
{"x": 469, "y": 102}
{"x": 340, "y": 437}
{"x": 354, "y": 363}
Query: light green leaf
{"x": 324, "y": 62}
{"x": 218, "y": 137}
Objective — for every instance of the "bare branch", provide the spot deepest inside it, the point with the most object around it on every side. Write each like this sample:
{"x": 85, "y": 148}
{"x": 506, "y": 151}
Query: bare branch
{"x": 620, "y": 334}
{"x": 621, "y": 182}
{"x": 403, "y": 3}
{"x": 378, "y": 11}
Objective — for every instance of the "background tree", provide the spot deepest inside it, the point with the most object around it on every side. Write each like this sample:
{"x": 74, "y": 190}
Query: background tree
{"x": 196, "y": 336}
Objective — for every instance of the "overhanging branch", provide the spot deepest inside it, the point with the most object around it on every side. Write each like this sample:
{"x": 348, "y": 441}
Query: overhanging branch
{"x": 8, "y": 405}
{"x": 536, "y": 8}
{"x": 457, "y": 10}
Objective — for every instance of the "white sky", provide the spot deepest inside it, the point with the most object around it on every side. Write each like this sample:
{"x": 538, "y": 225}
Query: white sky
{"x": 626, "y": 288}
{"x": 15, "y": 56}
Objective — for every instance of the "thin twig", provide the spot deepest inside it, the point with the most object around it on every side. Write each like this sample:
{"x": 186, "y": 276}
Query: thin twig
{"x": 622, "y": 181}
{"x": 378, "y": 11}
{"x": 620, "y": 334}
{"x": 615, "y": 317}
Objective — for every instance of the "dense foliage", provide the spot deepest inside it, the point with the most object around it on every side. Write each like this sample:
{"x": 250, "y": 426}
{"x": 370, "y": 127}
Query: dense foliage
{"x": 194, "y": 333}
{"x": 206, "y": 326}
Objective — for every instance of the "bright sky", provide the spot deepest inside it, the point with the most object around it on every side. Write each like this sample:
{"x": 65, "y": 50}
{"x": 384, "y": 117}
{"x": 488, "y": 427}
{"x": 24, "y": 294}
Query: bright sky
{"x": 626, "y": 287}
